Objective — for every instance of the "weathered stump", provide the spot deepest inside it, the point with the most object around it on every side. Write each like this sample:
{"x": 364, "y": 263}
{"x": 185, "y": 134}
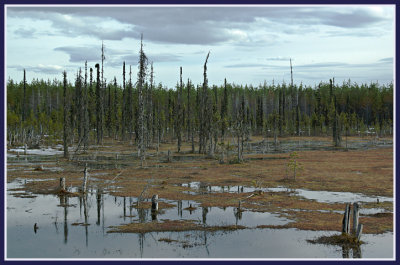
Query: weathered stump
{"x": 62, "y": 183}
{"x": 154, "y": 203}
{"x": 359, "y": 231}
{"x": 346, "y": 220}
{"x": 355, "y": 217}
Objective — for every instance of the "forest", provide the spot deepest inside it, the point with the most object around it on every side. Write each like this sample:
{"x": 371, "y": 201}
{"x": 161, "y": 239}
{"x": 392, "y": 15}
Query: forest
{"x": 142, "y": 113}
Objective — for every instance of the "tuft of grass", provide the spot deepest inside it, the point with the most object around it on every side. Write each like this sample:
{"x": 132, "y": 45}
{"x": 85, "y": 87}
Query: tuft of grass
{"x": 170, "y": 226}
{"x": 339, "y": 240}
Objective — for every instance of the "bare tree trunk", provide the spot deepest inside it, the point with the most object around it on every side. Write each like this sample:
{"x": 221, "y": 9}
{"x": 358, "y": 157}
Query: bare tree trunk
{"x": 204, "y": 111}
{"x": 24, "y": 103}
{"x": 66, "y": 136}
{"x": 179, "y": 112}
{"x": 99, "y": 116}
{"x": 86, "y": 114}
{"x": 141, "y": 116}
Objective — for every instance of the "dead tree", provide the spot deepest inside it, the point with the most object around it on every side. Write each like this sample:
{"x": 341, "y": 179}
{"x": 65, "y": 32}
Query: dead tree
{"x": 190, "y": 130}
{"x": 141, "y": 117}
{"x": 66, "y": 122}
{"x": 85, "y": 113}
{"x": 115, "y": 109}
{"x": 224, "y": 112}
{"x": 123, "y": 120}
{"x": 99, "y": 107}
{"x": 24, "y": 103}
{"x": 149, "y": 111}
{"x": 129, "y": 105}
{"x": 204, "y": 111}
{"x": 179, "y": 113}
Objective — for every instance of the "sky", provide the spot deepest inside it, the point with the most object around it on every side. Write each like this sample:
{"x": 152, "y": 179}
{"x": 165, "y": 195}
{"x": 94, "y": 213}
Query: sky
{"x": 247, "y": 44}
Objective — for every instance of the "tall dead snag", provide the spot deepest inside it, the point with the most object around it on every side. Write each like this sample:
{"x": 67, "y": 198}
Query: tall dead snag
{"x": 296, "y": 119}
{"x": 24, "y": 103}
{"x": 129, "y": 105}
{"x": 80, "y": 109}
{"x": 115, "y": 110}
{"x": 204, "y": 111}
{"x": 179, "y": 113}
{"x": 66, "y": 122}
{"x": 109, "y": 111}
{"x": 334, "y": 117}
{"x": 149, "y": 109}
{"x": 99, "y": 116}
{"x": 85, "y": 113}
{"x": 224, "y": 112}
{"x": 91, "y": 102}
{"x": 189, "y": 117}
{"x": 123, "y": 120}
{"x": 141, "y": 99}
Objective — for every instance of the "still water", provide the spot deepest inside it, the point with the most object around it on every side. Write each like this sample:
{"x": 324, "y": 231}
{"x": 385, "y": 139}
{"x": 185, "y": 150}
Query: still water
{"x": 61, "y": 233}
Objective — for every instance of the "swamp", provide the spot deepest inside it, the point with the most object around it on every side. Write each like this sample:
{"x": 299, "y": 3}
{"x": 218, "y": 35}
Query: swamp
{"x": 206, "y": 209}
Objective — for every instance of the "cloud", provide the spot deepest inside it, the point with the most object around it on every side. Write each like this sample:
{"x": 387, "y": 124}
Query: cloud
{"x": 386, "y": 60}
{"x": 196, "y": 25}
{"x": 279, "y": 58}
{"x": 245, "y": 65}
{"x": 40, "y": 68}
{"x": 81, "y": 54}
{"x": 25, "y": 32}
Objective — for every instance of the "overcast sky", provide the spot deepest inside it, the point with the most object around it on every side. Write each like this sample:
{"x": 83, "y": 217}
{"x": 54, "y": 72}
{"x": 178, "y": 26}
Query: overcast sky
{"x": 248, "y": 45}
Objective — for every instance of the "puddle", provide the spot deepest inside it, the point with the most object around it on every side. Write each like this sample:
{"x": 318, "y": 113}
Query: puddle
{"x": 43, "y": 151}
{"x": 339, "y": 197}
{"x": 320, "y": 196}
{"x": 62, "y": 232}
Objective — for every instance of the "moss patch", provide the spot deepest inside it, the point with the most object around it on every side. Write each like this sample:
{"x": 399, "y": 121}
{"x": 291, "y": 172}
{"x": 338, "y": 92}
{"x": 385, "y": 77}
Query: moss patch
{"x": 169, "y": 226}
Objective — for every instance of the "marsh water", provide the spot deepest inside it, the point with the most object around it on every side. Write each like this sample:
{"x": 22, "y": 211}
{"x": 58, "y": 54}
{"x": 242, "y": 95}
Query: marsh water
{"x": 62, "y": 232}
{"x": 77, "y": 227}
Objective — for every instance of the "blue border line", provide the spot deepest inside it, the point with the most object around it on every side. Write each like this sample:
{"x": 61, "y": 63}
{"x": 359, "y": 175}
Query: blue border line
{"x": 76, "y": 2}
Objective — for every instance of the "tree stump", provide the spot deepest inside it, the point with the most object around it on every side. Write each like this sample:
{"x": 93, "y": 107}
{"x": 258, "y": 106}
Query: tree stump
{"x": 355, "y": 217}
{"x": 154, "y": 203}
{"x": 359, "y": 231}
{"x": 346, "y": 220}
{"x": 62, "y": 183}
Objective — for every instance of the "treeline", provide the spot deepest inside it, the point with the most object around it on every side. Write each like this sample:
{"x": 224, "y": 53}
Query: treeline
{"x": 138, "y": 111}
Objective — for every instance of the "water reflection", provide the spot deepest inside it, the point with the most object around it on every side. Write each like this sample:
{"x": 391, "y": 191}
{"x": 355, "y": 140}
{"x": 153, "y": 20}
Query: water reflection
{"x": 64, "y": 204}
{"x": 179, "y": 206}
{"x": 355, "y": 251}
{"x": 204, "y": 214}
{"x": 85, "y": 214}
{"x": 198, "y": 243}
{"x": 98, "y": 204}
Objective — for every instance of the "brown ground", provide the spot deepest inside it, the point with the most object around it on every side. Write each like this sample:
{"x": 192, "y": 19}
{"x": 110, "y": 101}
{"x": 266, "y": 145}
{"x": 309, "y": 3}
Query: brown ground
{"x": 363, "y": 171}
